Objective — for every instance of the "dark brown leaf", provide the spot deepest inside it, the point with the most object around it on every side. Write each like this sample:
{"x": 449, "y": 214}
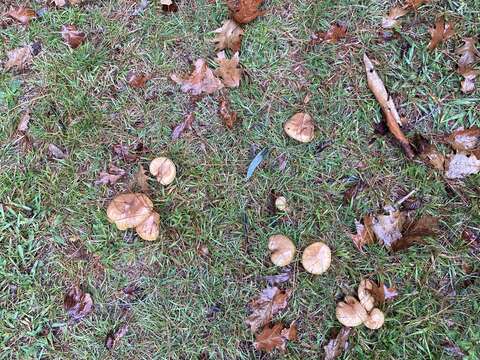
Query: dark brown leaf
{"x": 229, "y": 117}
{"x": 245, "y": 11}
{"x": 111, "y": 177}
{"x": 415, "y": 231}
{"x": 440, "y": 33}
{"x": 337, "y": 345}
{"x": 336, "y": 32}
{"x": 72, "y": 36}
{"x": 137, "y": 80}
{"x": 78, "y": 303}
{"x": 169, "y": 6}
{"x": 275, "y": 337}
{"x": 270, "y": 302}
{"x": 352, "y": 192}
{"x": 428, "y": 152}
{"x": 22, "y": 15}
{"x": 186, "y": 124}
{"x": 114, "y": 337}
{"x": 142, "y": 180}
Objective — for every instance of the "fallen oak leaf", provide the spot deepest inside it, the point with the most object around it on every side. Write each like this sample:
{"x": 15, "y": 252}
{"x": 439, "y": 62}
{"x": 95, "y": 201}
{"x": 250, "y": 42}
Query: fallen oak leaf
{"x": 388, "y": 107}
{"x": 269, "y": 303}
{"x": 19, "y": 58}
{"x": 229, "y": 117}
{"x": 202, "y": 80}
{"x": 72, "y": 36}
{"x": 137, "y": 80}
{"x": 111, "y": 177}
{"x": 114, "y": 337}
{"x": 229, "y": 36}
{"x": 440, "y": 33}
{"x": 275, "y": 337}
{"x": 186, "y": 124}
{"x": 77, "y": 303}
{"x": 415, "y": 231}
{"x": 461, "y": 165}
{"x": 336, "y": 32}
{"x": 337, "y": 345}
{"x": 465, "y": 139}
{"x": 228, "y": 70}
{"x": 245, "y": 11}
{"x": 22, "y": 14}
{"x": 364, "y": 235}
{"x": 393, "y": 18}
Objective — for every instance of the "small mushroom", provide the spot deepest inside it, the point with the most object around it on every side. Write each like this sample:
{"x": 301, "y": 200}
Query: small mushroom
{"x": 300, "y": 127}
{"x": 150, "y": 228}
{"x": 281, "y": 203}
{"x": 375, "y": 319}
{"x": 129, "y": 210}
{"x": 282, "y": 248}
{"x": 163, "y": 169}
{"x": 365, "y": 294}
{"x": 350, "y": 312}
{"x": 316, "y": 258}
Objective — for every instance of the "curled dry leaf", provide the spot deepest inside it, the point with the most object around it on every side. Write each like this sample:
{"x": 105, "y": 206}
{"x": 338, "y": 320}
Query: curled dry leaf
{"x": 388, "y": 107}
{"x": 78, "y": 303}
{"x": 316, "y": 258}
{"x": 393, "y": 18}
{"x": 245, "y": 11}
{"x": 414, "y": 231}
{"x": 114, "y": 337}
{"x": 142, "y": 180}
{"x": 350, "y": 312}
{"x": 19, "y": 58}
{"x": 149, "y": 229}
{"x": 186, "y": 124}
{"x": 229, "y": 36}
{"x": 229, "y": 117}
{"x": 465, "y": 139}
{"x": 440, "y": 33}
{"x": 202, "y": 80}
{"x": 163, "y": 169}
{"x": 111, "y": 176}
{"x": 137, "y": 80}
{"x": 428, "y": 152}
{"x": 22, "y": 15}
{"x": 275, "y": 337}
{"x": 284, "y": 276}
{"x": 468, "y": 56}
{"x": 72, "y": 36}
{"x": 270, "y": 302}
{"x": 461, "y": 165}
{"x": 389, "y": 293}
{"x": 375, "y": 319}
{"x": 228, "y": 70}
{"x": 336, "y": 32}
{"x": 364, "y": 235}
{"x": 129, "y": 210}
{"x": 353, "y": 190}
{"x": 468, "y": 82}
{"x": 300, "y": 127}
{"x": 282, "y": 248}
{"x": 415, "y": 4}
{"x": 338, "y": 345}
{"x": 388, "y": 228}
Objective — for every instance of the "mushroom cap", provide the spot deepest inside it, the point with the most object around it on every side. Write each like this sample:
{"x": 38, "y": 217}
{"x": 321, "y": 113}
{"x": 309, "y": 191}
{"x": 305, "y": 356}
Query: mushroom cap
{"x": 350, "y": 312}
{"x": 375, "y": 319}
{"x": 300, "y": 127}
{"x": 150, "y": 228}
{"x": 163, "y": 169}
{"x": 365, "y": 294}
{"x": 282, "y": 248}
{"x": 281, "y": 203}
{"x": 316, "y": 258}
{"x": 129, "y": 210}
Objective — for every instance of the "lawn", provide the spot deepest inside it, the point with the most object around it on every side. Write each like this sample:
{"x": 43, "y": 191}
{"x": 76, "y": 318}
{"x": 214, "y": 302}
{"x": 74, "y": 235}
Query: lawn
{"x": 54, "y": 232}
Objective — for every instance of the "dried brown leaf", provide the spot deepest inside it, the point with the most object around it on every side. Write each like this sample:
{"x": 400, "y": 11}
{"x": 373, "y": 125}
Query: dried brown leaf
{"x": 186, "y": 124}
{"x": 414, "y": 4}
{"x": 56, "y": 152}
{"x": 142, "y": 180}
{"x": 114, "y": 337}
{"x": 336, "y": 32}
{"x": 229, "y": 36}
{"x": 388, "y": 228}
{"x": 468, "y": 54}
{"x": 22, "y": 14}
{"x": 415, "y": 231}
{"x": 270, "y": 302}
{"x": 137, "y": 80}
{"x": 388, "y": 106}
{"x": 111, "y": 176}
{"x": 465, "y": 139}
{"x": 352, "y": 192}
{"x": 364, "y": 235}
{"x": 228, "y": 70}
{"x": 393, "y": 18}
{"x": 428, "y": 152}
{"x": 169, "y": 5}
{"x": 19, "y": 58}
{"x": 337, "y": 345}
{"x": 468, "y": 82}
{"x": 77, "y": 303}
{"x": 229, "y": 117}
{"x": 72, "y": 36}
{"x": 245, "y": 11}
{"x": 440, "y": 33}
{"x": 461, "y": 165}
{"x": 202, "y": 80}
{"x": 275, "y": 337}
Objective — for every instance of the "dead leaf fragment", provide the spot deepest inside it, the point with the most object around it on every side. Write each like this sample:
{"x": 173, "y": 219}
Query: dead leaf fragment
{"x": 338, "y": 345}
{"x": 428, "y": 152}
{"x": 186, "y": 124}
{"x": 169, "y": 5}
{"x": 300, "y": 127}
{"x": 387, "y": 105}
{"x": 468, "y": 82}
{"x": 111, "y": 176}
{"x": 465, "y": 139}
{"x": 336, "y": 32}
{"x": 274, "y": 337}
{"x": 56, "y": 152}
{"x": 415, "y": 4}
{"x": 414, "y": 231}
{"x": 129, "y": 210}
{"x": 270, "y": 302}
{"x": 202, "y": 80}
{"x": 229, "y": 117}
{"x": 24, "y": 122}
{"x": 22, "y": 14}
{"x": 387, "y": 228}
{"x": 245, "y": 11}
{"x": 228, "y": 70}
{"x": 72, "y": 36}
{"x": 393, "y": 18}
{"x": 114, "y": 337}
{"x": 77, "y": 303}
{"x": 468, "y": 54}
{"x": 137, "y": 80}
{"x": 142, "y": 180}
{"x": 461, "y": 165}
{"x": 19, "y": 58}
{"x": 364, "y": 235}
{"x": 389, "y": 293}
{"x": 440, "y": 33}
{"x": 229, "y": 36}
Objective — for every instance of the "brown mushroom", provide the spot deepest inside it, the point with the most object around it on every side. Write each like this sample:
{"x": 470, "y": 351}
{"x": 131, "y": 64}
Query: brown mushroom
{"x": 316, "y": 258}
{"x": 350, "y": 312}
{"x": 149, "y": 229}
{"x": 281, "y": 203}
{"x": 129, "y": 210}
{"x": 375, "y": 319}
{"x": 163, "y": 169}
{"x": 300, "y": 127}
{"x": 365, "y": 294}
{"x": 282, "y": 248}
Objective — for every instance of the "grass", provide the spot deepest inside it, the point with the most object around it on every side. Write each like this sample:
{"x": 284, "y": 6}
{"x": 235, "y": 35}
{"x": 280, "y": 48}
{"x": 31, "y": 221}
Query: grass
{"x": 53, "y": 226}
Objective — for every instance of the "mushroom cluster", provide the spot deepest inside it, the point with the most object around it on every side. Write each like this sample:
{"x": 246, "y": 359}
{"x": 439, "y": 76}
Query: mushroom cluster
{"x": 352, "y": 312}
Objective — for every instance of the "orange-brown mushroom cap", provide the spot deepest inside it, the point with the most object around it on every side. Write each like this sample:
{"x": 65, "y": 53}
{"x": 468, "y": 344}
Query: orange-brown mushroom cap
{"x": 129, "y": 210}
{"x": 150, "y": 228}
{"x": 163, "y": 169}
{"x": 283, "y": 250}
{"x": 375, "y": 319}
{"x": 350, "y": 312}
{"x": 316, "y": 258}
{"x": 300, "y": 127}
